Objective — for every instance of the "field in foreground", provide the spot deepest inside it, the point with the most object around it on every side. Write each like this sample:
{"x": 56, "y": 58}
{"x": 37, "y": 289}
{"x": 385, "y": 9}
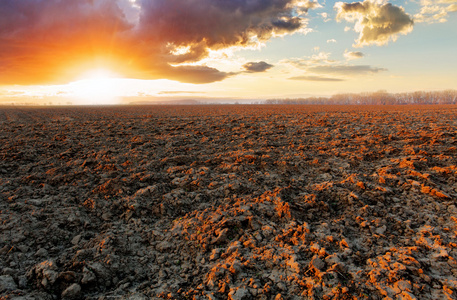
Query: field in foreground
{"x": 228, "y": 202}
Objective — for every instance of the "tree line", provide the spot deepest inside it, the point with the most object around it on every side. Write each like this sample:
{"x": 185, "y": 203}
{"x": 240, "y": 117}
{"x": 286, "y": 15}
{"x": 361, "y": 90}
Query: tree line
{"x": 376, "y": 98}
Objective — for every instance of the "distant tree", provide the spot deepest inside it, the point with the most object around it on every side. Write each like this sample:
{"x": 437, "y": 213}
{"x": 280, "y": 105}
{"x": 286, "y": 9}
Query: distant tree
{"x": 381, "y": 97}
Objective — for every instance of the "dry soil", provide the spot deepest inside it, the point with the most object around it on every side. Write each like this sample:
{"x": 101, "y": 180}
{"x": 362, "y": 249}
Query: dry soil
{"x": 228, "y": 202}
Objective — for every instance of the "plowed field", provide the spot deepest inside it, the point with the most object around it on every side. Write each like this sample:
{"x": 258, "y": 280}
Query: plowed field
{"x": 228, "y": 202}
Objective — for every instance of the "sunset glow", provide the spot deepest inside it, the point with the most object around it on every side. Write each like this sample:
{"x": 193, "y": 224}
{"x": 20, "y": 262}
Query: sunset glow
{"x": 237, "y": 49}
{"x": 97, "y": 87}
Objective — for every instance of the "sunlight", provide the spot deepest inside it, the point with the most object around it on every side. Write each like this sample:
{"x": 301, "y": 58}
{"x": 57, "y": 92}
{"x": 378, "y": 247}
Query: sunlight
{"x": 97, "y": 87}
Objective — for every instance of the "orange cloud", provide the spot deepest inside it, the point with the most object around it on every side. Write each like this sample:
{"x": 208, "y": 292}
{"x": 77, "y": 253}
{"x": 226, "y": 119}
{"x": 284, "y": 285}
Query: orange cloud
{"x": 53, "y": 41}
{"x": 44, "y": 41}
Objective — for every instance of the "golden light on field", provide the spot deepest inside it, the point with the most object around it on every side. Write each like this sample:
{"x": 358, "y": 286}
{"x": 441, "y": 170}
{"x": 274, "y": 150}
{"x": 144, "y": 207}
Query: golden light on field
{"x": 97, "y": 87}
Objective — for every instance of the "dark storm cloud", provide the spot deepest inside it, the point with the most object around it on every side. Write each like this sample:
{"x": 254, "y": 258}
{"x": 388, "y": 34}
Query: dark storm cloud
{"x": 217, "y": 23}
{"x": 208, "y": 24}
{"x": 53, "y": 40}
{"x": 256, "y": 67}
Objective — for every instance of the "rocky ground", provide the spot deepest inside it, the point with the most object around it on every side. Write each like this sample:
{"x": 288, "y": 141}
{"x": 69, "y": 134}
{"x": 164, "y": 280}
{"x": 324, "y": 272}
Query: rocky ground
{"x": 228, "y": 202}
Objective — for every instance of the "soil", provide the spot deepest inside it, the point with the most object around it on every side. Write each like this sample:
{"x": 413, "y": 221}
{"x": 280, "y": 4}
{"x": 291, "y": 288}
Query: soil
{"x": 228, "y": 202}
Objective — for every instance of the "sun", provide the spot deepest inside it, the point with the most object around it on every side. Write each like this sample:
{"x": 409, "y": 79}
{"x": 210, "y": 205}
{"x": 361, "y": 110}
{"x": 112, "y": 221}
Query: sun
{"x": 97, "y": 87}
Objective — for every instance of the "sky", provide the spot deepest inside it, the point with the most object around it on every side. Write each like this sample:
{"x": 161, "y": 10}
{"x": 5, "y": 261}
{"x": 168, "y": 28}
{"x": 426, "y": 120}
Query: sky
{"x": 130, "y": 51}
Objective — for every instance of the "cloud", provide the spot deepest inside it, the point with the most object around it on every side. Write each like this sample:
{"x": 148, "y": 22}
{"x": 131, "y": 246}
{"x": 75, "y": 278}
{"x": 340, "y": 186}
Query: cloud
{"x": 315, "y": 78}
{"x": 41, "y": 41}
{"x": 375, "y": 21}
{"x": 305, "y": 6}
{"x": 217, "y": 24}
{"x": 54, "y": 41}
{"x": 178, "y": 92}
{"x": 189, "y": 74}
{"x": 331, "y": 41}
{"x": 350, "y": 55}
{"x": 315, "y": 59}
{"x": 435, "y": 11}
{"x": 325, "y": 17}
{"x": 345, "y": 70}
{"x": 11, "y": 93}
{"x": 321, "y": 68}
{"x": 256, "y": 67}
